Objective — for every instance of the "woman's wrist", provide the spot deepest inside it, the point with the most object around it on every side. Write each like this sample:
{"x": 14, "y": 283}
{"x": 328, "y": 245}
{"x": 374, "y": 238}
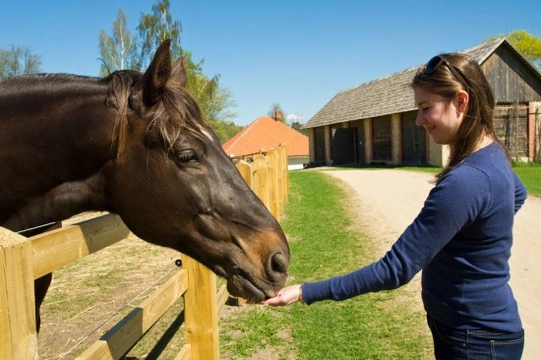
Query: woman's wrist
{"x": 301, "y": 299}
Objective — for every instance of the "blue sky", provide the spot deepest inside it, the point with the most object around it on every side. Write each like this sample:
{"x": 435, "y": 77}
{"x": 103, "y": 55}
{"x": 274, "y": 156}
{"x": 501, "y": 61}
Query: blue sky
{"x": 298, "y": 54}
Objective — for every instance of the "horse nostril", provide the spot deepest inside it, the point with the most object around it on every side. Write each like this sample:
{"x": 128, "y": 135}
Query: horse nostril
{"x": 278, "y": 265}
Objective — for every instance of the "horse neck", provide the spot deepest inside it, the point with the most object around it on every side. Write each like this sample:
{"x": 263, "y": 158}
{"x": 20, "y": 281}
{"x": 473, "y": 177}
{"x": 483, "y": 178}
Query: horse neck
{"x": 56, "y": 140}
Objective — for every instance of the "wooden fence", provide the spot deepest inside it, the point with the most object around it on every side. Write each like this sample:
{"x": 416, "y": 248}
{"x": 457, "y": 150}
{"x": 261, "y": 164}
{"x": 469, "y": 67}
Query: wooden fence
{"x": 22, "y": 260}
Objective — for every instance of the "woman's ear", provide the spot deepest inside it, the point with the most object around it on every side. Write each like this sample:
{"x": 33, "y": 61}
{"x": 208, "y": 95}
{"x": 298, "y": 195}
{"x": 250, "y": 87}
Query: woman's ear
{"x": 463, "y": 98}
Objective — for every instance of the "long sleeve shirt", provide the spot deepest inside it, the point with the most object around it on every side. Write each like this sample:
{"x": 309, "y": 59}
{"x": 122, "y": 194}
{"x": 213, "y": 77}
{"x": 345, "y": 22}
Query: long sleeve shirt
{"x": 461, "y": 240}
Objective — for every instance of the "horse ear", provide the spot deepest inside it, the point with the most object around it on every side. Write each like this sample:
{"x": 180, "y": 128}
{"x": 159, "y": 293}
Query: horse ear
{"x": 157, "y": 74}
{"x": 179, "y": 72}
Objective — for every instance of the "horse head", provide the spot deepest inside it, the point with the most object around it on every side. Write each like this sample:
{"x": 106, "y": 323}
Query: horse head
{"x": 173, "y": 185}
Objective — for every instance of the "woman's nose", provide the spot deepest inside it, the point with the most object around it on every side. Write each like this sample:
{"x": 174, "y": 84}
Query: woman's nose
{"x": 419, "y": 120}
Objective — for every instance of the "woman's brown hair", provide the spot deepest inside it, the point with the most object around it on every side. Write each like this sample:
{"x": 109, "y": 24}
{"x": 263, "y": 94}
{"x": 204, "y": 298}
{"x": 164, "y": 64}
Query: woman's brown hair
{"x": 455, "y": 72}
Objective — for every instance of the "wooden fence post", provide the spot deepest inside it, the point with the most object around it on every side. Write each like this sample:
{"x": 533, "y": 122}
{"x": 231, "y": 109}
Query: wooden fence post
{"x": 245, "y": 170}
{"x": 273, "y": 188}
{"x": 201, "y": 311}
{"x": 18, "y": 337}
{"x": 285, "y": 174}
{"x": 261, "y": 179}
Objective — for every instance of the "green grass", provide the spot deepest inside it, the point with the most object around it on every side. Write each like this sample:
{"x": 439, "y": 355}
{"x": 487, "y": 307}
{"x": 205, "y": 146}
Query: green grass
{"x": 324, "y": 242}
{"x": 530, "y": 174}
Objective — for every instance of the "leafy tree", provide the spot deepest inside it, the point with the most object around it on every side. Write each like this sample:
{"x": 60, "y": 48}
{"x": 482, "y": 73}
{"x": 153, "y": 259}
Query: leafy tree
{"x": 136, "y": 52}
{"x": 18, "y": 60}
{"x": 215, "y": 100}
{"x": 299, "y": 126}
{"x": 277, "y": 109}
{"x": 226, "y": 130}
{"x": 529, "y": 45}
{"x": 118, "y": 52}
{"x": 156, "y": 27}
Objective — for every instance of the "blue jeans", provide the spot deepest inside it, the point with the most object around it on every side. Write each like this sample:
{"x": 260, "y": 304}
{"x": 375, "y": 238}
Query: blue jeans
{"x": 451, "y": 343}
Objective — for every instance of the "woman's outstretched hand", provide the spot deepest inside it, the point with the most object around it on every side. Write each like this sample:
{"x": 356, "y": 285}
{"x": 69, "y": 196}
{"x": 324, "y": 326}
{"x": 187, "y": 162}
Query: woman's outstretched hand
{"x": 286, "y": 296}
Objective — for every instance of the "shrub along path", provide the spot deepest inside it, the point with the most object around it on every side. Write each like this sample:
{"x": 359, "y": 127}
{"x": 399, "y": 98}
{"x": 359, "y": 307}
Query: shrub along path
{"x": 390, "y": 199}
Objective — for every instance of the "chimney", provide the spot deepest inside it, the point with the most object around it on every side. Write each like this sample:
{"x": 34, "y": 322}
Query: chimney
{"x": 278, "y": 116}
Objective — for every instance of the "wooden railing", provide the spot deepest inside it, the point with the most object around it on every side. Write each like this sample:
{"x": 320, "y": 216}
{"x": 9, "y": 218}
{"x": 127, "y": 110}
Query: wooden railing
{"x": 22, "y": 260}
{"x": 267, "y": 175}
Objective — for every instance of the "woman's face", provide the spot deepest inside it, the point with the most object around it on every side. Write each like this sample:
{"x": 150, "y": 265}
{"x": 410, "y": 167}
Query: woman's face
{"x": 441, "y": 118}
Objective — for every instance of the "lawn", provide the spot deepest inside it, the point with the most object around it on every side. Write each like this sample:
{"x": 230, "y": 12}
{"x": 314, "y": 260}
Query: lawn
{"x": 323, "y": 243}
{"x": 529, "y": 173}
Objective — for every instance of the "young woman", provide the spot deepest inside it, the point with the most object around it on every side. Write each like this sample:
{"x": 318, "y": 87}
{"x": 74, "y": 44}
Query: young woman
{"x": 463, "y": 235}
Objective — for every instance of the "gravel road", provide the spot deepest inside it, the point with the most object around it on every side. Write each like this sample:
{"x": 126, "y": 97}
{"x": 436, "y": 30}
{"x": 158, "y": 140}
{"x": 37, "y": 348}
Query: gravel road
{"x": 390, "y": 199}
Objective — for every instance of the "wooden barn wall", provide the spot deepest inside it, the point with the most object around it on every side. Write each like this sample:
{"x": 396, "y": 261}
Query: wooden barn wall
{"x": 511, "y": 127}
{"x": 319, "y": 144}
{"x": 381, "y": 139}
{"x": 511, "y": 80}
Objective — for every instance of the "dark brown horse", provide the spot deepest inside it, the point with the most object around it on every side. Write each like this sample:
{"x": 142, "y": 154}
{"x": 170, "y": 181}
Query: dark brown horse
{"x": 136, "y": 145}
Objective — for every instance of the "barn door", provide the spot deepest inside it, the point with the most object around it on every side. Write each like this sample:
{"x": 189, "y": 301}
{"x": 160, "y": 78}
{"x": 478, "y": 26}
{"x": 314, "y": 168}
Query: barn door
{"x": 343, "y": 145}
{"x": 413, "y": 143}
{"x": 360, "y": 144}
{"x": 319, "y": 144}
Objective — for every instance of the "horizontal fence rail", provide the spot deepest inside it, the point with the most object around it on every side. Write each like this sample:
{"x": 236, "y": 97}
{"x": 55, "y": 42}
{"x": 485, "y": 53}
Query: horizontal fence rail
{"x": 22, "y": 260}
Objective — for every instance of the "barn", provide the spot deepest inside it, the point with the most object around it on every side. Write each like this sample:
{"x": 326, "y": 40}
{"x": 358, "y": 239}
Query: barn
{"x": 374, "y": 123}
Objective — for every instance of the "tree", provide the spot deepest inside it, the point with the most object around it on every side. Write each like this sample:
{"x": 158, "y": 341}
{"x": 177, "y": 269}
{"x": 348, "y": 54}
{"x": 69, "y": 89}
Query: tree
{"x": 137, "y": 51}
{"x": 18, "y": 60}
{"x": 277, "y": 113}
{"x": 118, "y": 52}
{"x": 529, "y": 45}
{"x": 215, "y": 100}
{"x": 296, "y": 122}
{"x": 154, "y": 28}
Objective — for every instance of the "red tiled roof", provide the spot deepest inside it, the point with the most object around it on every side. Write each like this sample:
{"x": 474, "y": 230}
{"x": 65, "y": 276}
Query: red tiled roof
{"x": 265, "y": 133}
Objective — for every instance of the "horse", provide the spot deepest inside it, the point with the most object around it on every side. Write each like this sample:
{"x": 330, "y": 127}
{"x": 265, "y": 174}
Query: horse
{"x": 135, "y": 144}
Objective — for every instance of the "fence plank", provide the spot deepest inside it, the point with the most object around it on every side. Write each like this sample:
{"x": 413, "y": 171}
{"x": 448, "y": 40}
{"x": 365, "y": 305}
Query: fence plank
{"x": 285, "y": 176}
{"x": 272, "y": 183}
{"x": 63, "y": 246}
{"x": 260, "y": 185}
{"x": 121, "y": 338}
{"x": 18, "y": 337}
{"x": 245, "y": 171}
{"x": 185, "y": 353}
{"x": 201, "y": 311}
{"x": 23, "y": 260}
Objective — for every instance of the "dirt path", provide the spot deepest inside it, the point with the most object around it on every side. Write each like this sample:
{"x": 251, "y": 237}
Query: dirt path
{"x": 390, "y": 200}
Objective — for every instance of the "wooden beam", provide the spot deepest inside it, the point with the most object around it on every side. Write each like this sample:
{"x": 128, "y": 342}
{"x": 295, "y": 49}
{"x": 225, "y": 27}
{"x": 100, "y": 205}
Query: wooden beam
{"x": 18, "y": 336}
{"x": 121, "y": 338}
{"x": 57, "y": 248}
{"x": 201, "y": 311}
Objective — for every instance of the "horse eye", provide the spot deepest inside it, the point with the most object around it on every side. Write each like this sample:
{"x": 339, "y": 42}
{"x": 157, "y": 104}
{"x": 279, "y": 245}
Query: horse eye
{"x": 187, "y": 155}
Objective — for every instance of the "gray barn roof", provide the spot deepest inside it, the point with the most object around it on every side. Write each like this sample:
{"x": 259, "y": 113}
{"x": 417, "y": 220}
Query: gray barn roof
{"x": 388, "y": 95}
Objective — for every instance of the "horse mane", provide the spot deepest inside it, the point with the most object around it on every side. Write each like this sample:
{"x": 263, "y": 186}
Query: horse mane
{"x": 179, "y": 111}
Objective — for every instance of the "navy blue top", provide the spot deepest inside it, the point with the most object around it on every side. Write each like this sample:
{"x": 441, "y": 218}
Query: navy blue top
{"x": 461, "y": 240}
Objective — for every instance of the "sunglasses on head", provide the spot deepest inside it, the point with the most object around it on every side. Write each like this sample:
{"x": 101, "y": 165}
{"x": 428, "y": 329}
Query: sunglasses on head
{"x": 436, "y": 62}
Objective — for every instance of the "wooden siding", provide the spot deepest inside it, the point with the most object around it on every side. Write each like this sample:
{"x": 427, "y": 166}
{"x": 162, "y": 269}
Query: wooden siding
{"x": 319, "y": 140}
{"x": 379, "y": 103}
{"x": 413, "y": 140}
{"x": 511, "y": 80}
{"x": 511, "y": 127}
{"x": 381, "y": 138}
